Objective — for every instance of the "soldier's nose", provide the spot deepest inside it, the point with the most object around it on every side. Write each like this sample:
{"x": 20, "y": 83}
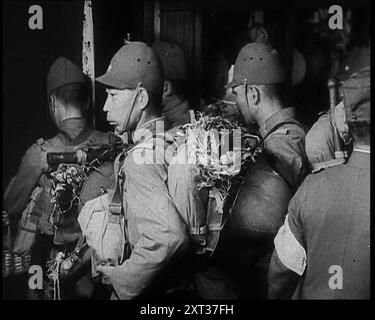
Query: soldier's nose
{"x": 106, "y": 107}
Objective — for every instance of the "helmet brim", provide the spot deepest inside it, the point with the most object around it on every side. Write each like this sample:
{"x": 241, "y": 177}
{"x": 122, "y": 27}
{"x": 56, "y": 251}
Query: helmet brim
{"x": 110, "y": 81}
{"x": 232, "y": 84}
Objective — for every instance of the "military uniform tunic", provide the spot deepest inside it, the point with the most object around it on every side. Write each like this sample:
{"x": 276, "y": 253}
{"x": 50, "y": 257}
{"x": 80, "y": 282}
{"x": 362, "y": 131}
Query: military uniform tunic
{"x": 157, "y": 234}
{"x": 326, "y": 233}
{"x": 33, "y": 172}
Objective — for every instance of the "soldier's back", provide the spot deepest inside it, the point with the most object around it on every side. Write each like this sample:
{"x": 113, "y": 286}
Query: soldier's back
{"x": 336, "y": 225}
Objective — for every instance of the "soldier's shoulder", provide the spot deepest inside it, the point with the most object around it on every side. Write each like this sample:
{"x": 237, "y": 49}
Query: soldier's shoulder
{"x": 296, "y": 127}
{"x": 287, "y": 134}
{"x": 319, "y": 132}
{"x": 34, "y": 154}
{"x": 287, "y": 128}
{"x": 41, "y": 143}
{"x": 327, "y": 176}
{"x": 54, "y": 141}
{"x": 323, "y": 123}
{"x": 335, "y": 169}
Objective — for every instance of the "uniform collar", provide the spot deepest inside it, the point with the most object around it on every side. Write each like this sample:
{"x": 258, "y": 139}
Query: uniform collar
{"x": 147, "y": 130}
{"x": 359, "y": 160}
{"x": 75, "y": 129}
{"x": 278, "y": 117}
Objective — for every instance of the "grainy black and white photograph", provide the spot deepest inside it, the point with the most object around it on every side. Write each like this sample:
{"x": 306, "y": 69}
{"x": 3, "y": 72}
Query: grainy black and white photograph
{"x": 183, "y": 151}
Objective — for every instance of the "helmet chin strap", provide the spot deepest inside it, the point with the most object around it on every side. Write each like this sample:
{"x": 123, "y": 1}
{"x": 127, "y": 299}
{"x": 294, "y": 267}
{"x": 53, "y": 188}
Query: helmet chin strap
{"x": 247, "y": 101}
{"x": 245, "y": 85}
{"x": 137, "y": 91}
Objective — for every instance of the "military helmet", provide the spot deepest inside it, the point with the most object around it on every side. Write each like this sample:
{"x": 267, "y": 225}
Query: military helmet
{"x": 356, "y": 91}
{"x": 355, "y": 60}
{"x": 134, "y": 64}
{"x": 173, "y": 60}
{"x": 257, "y": 63}
{"x": 63, "y": 72}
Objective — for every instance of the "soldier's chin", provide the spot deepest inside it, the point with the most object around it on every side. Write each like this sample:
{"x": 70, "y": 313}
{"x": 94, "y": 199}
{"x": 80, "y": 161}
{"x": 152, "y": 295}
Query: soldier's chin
{"x": 114, "y": 126}
{"x": 118, "y": 130}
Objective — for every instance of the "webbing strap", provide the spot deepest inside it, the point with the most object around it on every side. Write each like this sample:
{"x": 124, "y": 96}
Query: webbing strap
{"x": 28, "y": 229}
{"x": 198, "y": 231}
{"x": 115, "y": 204}
{"x": 116, "y": 219}
{"x": 137, "y": 91}
{"x": 80, "y": 244}
{"x": 214, "y": 222}
{"x": 215, "y": 226}
{"x": 115, "y": 201}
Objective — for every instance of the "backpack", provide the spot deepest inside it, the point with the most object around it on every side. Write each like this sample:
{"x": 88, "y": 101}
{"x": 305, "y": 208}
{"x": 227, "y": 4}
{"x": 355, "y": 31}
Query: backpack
{"x": 197, "y": 208}
{"x": 31, "y": 215}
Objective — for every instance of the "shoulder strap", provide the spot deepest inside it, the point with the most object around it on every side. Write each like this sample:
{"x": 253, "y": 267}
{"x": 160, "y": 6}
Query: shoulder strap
{"x": 216, "y": 221}
{"x": 115, "y": 201}
{"x": 115, "y": 204}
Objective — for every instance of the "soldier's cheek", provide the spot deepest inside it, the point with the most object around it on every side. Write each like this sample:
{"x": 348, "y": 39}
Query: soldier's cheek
{"x": 107, "y": 105}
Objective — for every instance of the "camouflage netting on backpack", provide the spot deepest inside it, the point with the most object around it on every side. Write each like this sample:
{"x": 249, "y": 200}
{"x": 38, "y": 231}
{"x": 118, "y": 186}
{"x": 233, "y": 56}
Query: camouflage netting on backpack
{"x": 204, "y": 177}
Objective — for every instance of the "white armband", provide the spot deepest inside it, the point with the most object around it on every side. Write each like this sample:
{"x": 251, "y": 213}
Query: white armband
{"x": 289, "y": 250}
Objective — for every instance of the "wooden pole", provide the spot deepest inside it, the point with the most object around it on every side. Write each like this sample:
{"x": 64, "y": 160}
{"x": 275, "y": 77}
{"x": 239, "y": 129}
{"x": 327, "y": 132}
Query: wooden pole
{"x": 88, "y": 62}
{"x": 157, "y": 20}
{"x": 339, "y": 153}
{"x": 197, "y": 62}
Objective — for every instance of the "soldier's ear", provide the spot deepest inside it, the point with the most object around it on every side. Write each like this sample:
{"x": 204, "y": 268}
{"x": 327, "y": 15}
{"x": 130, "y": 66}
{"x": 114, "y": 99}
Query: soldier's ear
{"x": 52, "y": 103}
{"x": 167, "y": 89}
{"x": 254, "y": 94}
{"x": 143, "y": 98}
